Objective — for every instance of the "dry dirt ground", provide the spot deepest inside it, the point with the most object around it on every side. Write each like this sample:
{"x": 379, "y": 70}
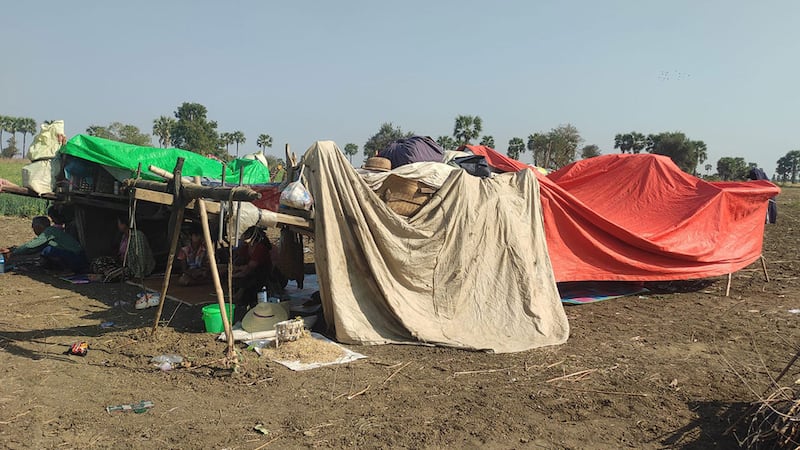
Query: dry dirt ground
{"x": 670, "y": 369}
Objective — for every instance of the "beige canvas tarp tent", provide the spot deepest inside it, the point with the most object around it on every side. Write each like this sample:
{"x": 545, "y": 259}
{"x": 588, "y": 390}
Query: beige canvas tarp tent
{"x": 469, "y": 270}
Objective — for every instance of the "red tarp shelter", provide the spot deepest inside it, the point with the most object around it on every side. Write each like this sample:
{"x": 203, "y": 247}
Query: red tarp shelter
{"x": 639, "y": 218}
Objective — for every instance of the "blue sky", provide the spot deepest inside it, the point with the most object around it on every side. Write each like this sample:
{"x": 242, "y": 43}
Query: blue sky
{"x": 721, "y": 71}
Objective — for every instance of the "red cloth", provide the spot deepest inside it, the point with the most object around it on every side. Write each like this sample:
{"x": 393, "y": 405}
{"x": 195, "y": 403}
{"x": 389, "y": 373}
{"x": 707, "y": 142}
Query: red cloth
{"x": 639, "y": 218}
{"x": 258, "y": 253}
{"x": 270, "y": 197}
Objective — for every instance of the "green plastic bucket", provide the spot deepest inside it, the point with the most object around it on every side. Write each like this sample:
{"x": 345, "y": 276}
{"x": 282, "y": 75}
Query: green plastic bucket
{"x": 213, "y": 319}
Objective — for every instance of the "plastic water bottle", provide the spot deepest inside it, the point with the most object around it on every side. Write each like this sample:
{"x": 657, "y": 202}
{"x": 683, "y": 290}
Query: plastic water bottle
{"x": 262, "y": 295}
{"x": 2, "y": 263}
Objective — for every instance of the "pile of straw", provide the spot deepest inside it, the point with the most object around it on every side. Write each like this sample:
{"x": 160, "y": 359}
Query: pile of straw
{"x": 775, "y": 424}
{"x": 306, "y": 350}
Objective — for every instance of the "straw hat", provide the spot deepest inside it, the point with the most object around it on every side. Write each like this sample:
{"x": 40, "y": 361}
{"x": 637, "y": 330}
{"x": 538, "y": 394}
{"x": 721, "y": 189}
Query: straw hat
{"x": 378, "y": 164}
{"x": 264, "y": 316}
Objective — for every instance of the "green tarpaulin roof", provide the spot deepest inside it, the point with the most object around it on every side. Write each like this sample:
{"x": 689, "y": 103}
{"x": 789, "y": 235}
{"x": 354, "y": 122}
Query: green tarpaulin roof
{"x": 128, "y": 156}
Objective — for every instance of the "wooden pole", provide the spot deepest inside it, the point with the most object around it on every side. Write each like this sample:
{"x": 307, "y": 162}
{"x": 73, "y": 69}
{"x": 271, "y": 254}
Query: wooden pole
{"x": 728, "y": 287}
{"x": 217, "y": 285}
{"x": 193, "y": 191}
{"x": 176, "y": 220}
{"x": 221, "y": 211}
{"x": 764, "y": 266}
{"x": 238, "y": 209}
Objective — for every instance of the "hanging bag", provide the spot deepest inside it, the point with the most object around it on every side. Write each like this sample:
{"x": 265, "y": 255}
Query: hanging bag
{"x": 295, "y": 195}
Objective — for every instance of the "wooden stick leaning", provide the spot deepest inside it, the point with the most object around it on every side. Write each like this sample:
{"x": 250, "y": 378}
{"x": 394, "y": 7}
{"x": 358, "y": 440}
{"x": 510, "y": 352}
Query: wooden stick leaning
{"x": 177, "y": 220}
{"x": 230, "y": 243}
{"x": 238, "y": 208}
{"x": 728, "y": 285}
{"x": 221, "y": 211}
{"x": 217, "y": 285}
{"x": 132, "y": 229}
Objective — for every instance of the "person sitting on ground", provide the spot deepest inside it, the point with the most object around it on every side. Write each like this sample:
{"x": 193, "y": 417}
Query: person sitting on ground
{"x": 134, "y": 250}
{"x": 193, "y": 259}
{"x": 134, "y": 259}
{"x": 251, "y": 265}
{"x": 62, "y": 217}
{"x": 57, "y": 249}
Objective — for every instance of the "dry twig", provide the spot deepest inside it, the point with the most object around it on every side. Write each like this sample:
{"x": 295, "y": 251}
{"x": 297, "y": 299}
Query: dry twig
{"x": 575, "y": 376}
{"x": 350, "y": 397}
{"x": 472, "y": 372}
{"x": 396, "y": 371}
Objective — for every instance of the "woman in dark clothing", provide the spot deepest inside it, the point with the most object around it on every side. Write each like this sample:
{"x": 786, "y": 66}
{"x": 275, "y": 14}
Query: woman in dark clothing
{"x": 251, "y": 265}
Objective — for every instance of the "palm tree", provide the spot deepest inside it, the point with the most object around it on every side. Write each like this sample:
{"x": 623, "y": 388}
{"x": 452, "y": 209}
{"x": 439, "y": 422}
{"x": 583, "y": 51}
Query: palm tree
{"x": 793, "y": 158}
{"x": 237, "y": 137}
{"x": 350, "y": 150}
{"x": 467, "y": 128}
{"x": 13, "y": 125}
{"x": 264, "y": 141}
{"x": 162, "y": 127}
{"x": 27, "y": 126}
{"x": 4, "y": 120}
{"x": 446, "y": 142}
{"x": 487, "y": 141}
{"x": 700, "y": 153}
{"x": 226, "y": 140}
{"x": 516, "y": 146}
{"x": 632, "y": 142}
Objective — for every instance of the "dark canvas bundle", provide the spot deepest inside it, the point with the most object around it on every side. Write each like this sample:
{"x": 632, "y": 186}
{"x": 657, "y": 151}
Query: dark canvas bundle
{"x": 772, "y": 209}
{"x": 412, "y": 150}
{"x": 475, "y": 165}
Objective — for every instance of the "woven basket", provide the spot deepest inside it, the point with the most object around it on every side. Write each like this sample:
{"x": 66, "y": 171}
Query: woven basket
{"x": 403, "y": 196}
{"x": 289, "y": 330}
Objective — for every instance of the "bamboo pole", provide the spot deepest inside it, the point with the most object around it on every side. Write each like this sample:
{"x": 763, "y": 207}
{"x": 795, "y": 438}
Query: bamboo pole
{"x": 238, "y": 209}
{"x": 221, "y": 210}
{"x": 176, "y": 220}
{"x": 217, "y": 285}
{"x": 764, "y": 266}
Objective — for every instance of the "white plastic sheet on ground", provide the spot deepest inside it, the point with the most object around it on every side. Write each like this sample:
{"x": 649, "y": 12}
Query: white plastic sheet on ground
{"x": 347, "y": 354}
{"x": 469, "y": 270}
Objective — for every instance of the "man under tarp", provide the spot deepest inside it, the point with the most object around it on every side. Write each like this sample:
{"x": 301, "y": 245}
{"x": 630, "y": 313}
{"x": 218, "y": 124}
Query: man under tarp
{"x": 469, "y": 270}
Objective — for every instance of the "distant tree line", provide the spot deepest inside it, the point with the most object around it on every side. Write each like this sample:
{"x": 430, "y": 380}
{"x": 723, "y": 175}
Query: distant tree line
{"x": 686, "y": 153}
{"x": 788, "y": 166}
{"x": 552, "y": 149}
{"x": 190, "y": 128}
{"x": 14, "y": 125}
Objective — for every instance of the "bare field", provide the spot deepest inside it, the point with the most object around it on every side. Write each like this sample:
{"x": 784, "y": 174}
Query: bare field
{"x": 670, "y": 369}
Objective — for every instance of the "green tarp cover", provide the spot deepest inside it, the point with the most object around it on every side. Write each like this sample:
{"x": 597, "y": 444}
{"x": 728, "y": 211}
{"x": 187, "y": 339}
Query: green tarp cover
{"x": 128, "y": 156}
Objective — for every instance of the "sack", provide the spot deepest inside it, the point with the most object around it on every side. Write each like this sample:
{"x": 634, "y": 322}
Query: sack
{"x": 47, "y": 142}
{"x": 38, "y": 176}
{"x": 475, "y": 165}
{"x": 295, "y": 195}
